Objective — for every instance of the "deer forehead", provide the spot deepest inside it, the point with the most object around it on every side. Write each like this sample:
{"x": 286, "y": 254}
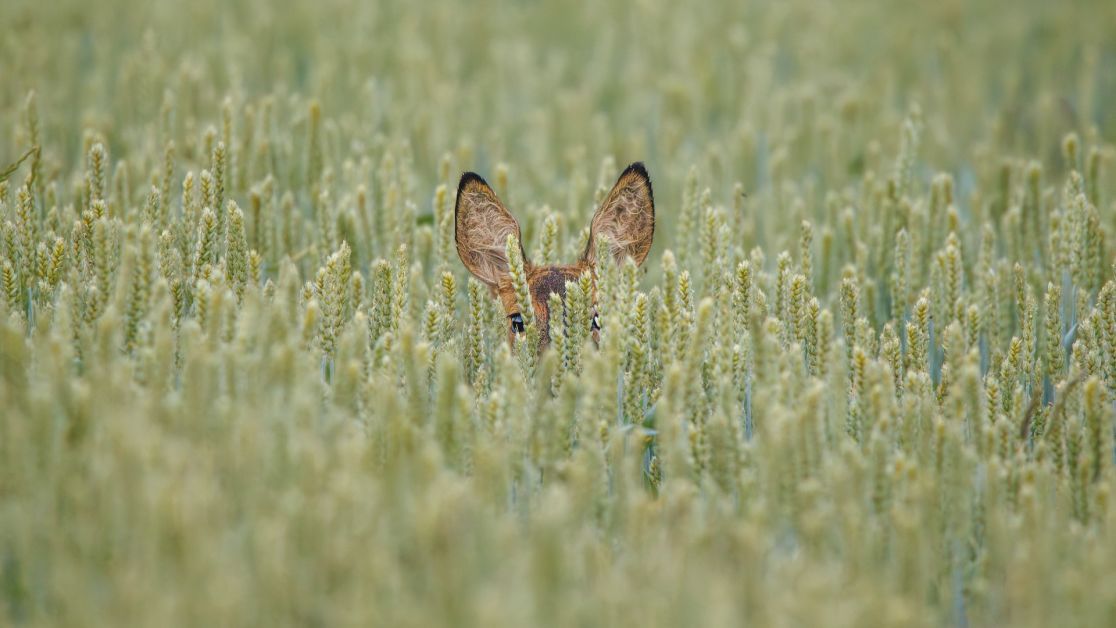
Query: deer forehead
{"x": 542, "y": 281}
{"x": 547, "y": 280}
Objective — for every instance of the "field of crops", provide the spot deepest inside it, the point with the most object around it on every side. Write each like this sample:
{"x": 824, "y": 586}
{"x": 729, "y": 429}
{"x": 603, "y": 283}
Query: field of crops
{"x": 865, "y": 376}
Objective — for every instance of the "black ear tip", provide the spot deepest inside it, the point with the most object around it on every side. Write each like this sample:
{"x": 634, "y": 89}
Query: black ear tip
{"x": 636, "y": 168}
{"x": 470, "y": 177}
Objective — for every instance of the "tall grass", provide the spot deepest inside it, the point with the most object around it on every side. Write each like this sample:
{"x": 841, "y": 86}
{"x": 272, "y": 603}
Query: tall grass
{"x": 867, "y": 379}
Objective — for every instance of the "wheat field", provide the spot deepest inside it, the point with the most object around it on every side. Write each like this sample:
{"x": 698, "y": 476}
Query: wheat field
{"x": 865, "y": 376}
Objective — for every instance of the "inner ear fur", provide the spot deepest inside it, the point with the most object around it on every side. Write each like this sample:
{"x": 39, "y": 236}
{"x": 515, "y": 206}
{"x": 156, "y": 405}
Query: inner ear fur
{"x": 481, "y": 228}
{"x": 626, "y": 218}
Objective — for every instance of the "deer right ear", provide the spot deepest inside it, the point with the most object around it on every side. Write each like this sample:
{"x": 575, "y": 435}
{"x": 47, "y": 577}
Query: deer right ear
{"x": 626, "y": 218}
{"x": 481, "y": 228}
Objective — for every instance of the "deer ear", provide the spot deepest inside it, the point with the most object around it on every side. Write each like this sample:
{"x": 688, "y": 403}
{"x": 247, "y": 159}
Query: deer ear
{"x": 626, "y": 218}
{"x": 481, "y": 228}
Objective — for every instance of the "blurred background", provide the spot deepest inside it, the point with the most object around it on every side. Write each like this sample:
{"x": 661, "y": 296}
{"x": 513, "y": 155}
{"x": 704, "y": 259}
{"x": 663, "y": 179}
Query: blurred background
{"x": 756, "y": 92}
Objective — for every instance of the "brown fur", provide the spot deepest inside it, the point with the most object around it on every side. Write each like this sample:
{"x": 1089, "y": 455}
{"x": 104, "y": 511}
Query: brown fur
{"x": 482, "y": 225}
{"x": 624, "y": 218}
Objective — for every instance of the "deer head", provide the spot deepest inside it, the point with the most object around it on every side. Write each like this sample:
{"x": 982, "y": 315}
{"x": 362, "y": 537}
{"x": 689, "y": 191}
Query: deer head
{"x": 482, "y": 226}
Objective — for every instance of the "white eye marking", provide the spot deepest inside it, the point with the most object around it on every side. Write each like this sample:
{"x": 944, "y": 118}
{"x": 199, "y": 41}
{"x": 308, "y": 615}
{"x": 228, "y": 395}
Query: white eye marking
{"x": 596, "y": 324}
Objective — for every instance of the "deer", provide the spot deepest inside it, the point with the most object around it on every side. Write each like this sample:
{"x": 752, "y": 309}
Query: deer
{"x": 482, "y": 224}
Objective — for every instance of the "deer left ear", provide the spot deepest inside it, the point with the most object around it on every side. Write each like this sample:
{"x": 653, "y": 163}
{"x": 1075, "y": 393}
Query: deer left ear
{"x": 481, "y": 228}
{"x": 626, "y": 218}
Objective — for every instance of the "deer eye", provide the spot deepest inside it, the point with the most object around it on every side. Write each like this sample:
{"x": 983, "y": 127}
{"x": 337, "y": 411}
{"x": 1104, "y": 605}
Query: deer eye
{"x": 595, "y": 325}
{"x": 517, "y": 323}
